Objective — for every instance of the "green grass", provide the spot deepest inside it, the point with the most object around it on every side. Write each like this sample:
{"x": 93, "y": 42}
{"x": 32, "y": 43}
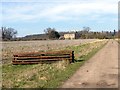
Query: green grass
{"x": 47, "y": 75}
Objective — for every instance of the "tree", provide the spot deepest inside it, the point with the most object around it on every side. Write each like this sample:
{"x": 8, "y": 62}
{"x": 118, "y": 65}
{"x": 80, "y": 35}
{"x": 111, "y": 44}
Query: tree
{"x": 52, "y": 33}
{"x": 8, "y": 33}
{"x": 114, "y": 33}
{"x": 85, "y": 32}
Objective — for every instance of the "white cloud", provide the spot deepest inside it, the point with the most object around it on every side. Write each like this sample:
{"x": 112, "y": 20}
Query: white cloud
{"x": 62, "y": 10}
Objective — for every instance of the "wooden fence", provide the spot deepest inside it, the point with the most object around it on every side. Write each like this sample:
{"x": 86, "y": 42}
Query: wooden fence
{"x": 38, "y": 57}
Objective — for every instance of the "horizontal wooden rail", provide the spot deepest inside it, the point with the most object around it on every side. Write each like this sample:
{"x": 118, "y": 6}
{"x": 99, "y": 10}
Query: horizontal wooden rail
{"x": 42, "y": 57}
{"x": 38, "y": 57}
{"x": 42, "y": 53}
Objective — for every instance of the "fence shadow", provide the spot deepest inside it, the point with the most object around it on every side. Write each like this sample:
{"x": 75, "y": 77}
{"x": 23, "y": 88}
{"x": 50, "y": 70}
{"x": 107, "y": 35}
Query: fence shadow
{"x": 79, "y": 60}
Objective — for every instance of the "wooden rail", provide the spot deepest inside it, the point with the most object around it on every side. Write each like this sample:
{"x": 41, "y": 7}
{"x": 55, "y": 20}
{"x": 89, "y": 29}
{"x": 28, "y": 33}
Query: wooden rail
{"x": 38, "y": 57}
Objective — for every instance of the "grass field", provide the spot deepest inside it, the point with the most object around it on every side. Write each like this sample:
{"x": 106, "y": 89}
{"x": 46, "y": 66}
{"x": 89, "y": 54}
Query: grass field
{"x": 48, "y": 75}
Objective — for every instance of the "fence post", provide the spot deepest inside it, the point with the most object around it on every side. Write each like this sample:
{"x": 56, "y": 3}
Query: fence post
{"x": 72, "y": 56}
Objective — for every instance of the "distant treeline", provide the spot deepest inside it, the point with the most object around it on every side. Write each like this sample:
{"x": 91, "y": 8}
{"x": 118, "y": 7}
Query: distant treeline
{"x": 52, "y": 34}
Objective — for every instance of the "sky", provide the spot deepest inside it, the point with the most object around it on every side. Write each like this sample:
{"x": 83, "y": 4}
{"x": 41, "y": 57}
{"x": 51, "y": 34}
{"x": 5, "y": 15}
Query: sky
{"x": 33, "y": 16}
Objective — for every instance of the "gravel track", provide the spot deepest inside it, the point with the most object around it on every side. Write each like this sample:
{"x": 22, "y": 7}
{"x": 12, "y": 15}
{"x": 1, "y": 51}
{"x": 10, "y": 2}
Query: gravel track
{"x": 101, "y": 71}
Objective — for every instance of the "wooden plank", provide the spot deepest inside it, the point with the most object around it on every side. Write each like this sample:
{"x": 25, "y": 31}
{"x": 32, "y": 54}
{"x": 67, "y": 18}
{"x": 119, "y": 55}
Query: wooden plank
{"x": 14, "y": 63}
{"x": 39, "y": 53}
{"x": 38, "y": 60}
{"x": 43, "y": 57}
{"x": 28, "y": 62}
{"x": 33, "y": 62}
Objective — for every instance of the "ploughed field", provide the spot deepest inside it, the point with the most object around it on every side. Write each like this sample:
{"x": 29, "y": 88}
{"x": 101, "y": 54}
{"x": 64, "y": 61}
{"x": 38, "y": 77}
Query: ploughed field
{"x": 45, "y": 75}
{"x": 9, "y": 48}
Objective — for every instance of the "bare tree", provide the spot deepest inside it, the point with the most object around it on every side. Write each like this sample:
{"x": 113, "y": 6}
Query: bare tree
{"x": 8, "y": 33}
{"x": 52, "y": 33}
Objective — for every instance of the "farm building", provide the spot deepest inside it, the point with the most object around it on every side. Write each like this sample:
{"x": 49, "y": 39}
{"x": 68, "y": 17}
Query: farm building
{"x": 72, "y": 35}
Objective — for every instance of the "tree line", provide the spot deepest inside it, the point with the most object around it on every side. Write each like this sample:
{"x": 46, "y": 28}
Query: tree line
{"x": 51, "y": 33}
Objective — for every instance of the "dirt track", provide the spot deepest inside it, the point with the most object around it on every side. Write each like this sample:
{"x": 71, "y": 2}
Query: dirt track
{"x": 101, "y": 71}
